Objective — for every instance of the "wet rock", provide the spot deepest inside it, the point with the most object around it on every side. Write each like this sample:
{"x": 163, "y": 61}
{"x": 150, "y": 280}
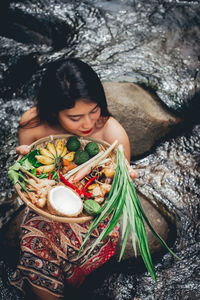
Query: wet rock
{"x": 10, "y": 233}
{"x": 159, "y": 224}
{"x": 19, "y": 63}
{"x": 170, "y": 176}
{"x": 154, "y": 43}
{"x": 51, "y": 23}
{"x": 144, "y": 118}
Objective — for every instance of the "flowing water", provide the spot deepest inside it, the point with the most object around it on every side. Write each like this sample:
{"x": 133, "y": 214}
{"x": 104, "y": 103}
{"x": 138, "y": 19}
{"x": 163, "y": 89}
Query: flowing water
{"x": 153, "y": 43}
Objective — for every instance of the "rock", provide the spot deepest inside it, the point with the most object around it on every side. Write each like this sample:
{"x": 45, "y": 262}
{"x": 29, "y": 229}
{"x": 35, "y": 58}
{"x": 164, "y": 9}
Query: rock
{"x": 11, "y": 231}
{"x": 144, "y": 118}
{"x": 159, "y": 224}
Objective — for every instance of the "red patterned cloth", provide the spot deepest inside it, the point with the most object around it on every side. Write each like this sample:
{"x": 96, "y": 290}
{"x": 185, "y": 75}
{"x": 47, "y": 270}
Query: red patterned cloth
{"x": 49, "y": 253}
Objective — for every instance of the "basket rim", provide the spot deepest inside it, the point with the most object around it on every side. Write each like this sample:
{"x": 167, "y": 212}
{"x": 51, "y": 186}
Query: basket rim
{"x": 40, "y": 211}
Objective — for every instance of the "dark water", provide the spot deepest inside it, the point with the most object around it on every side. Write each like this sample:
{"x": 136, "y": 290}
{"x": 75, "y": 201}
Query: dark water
{"x": 153, "y": 43}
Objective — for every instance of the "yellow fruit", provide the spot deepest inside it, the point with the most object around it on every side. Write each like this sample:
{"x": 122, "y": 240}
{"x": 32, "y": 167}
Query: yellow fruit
{"x": 46, "y": 169}
{"x": 64, "y": 151}
{"x": 51, "y": 156}
{"x": 69, "y": 156}
{"x": 44, "y": 159}
{"x": 59, "y": 147}
{"x": 109, "y": 172}
{"x": 51, "y": 148}
{"x": 46, "y": 152}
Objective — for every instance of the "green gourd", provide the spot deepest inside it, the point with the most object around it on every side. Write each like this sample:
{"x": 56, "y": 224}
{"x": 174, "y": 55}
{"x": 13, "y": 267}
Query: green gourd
{"x": 91, "y": 207}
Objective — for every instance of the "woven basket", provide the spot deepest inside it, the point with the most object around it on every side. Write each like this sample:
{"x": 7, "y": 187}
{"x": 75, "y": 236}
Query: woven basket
{"x": 44, "y": 211}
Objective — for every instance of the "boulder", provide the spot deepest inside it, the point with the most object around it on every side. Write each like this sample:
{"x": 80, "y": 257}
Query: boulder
{"x": 144, "y": 118}
{"x": 159, "y": 224}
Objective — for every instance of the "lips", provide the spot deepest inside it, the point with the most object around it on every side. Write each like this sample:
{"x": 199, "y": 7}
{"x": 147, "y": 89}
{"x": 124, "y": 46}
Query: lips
{"x": 87, "y": 131}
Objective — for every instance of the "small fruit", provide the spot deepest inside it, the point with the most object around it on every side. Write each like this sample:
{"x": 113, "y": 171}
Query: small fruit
{"x": 59, "y": 147}
{"x": 73, "y": 144}
{"x": 45, "y": 160}
{"x": 80, "y": 157}
{"x": 109, "y": 172}
{"x": 46, "y": 152}
{"x": 69, "y": 156}
{"x": 92, "y": 148}
{"x": 91, "y": 207}
{"x": 46, "y": 169}
{"x": 64, "y": 151}
{"x": 51, "y": 148}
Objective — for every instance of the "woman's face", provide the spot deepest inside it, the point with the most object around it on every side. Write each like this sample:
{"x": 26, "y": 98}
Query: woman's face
{"x": 80, "y": 119}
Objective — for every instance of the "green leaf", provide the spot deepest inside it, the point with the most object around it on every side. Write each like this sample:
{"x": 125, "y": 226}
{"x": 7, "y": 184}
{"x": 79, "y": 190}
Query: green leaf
{"x": 27, "y": 165}
{"x": 14, "y": 176}
{"x": 124, "y": 221}
{"x": 131, "y": 216}
{"x": 23, "y": 186}
{"x": 55, "y": 175}
{"x": 124, "y": 241}
{"x": 31, "y": 158}
{"x": 34, "y": 171}
{"x": 15, "y": 167}
{"x": 123, "y": 199}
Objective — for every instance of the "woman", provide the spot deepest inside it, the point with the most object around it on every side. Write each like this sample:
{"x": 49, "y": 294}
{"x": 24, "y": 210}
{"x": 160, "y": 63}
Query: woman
{"x": 71, "y": 100}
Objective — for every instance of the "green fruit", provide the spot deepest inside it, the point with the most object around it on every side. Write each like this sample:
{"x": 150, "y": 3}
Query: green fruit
{"x": 92, "y": 148}
{"x": 80, "y": 157}
{"x": 91, "y": 207}
{"x": 73, "y": 144}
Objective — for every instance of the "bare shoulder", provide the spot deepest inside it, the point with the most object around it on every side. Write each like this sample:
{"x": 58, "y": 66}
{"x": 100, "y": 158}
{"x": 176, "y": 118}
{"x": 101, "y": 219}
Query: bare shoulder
{"x": 28, "y": 132}
{"x": 28, "y": 115}
{"x": 113, "y": 130}
{"x": 31, "y": 129}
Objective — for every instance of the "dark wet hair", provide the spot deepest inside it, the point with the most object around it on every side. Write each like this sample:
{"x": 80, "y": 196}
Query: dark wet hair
{"x": 65, "y": 83}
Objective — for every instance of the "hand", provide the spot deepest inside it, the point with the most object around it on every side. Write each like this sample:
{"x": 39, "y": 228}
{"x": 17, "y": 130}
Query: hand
{"x": 23, "y": 149}
{"x": 133, "y": 174}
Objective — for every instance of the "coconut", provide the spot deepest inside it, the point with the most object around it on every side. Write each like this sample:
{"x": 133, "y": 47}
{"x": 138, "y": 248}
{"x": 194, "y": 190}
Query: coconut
{"x": 63, "y": 201}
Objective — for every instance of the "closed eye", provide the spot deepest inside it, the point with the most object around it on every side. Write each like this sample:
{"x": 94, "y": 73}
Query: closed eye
{"x": 75, "y": 119}
{"x": 95, "y": 110}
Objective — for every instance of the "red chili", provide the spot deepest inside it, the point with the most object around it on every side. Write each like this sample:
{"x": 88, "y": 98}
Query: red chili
{"x": 88, "y": 195}
{"x": 49, "y": 176}
{"x": 69, "y": 184}
{"x": 37, "y": 172}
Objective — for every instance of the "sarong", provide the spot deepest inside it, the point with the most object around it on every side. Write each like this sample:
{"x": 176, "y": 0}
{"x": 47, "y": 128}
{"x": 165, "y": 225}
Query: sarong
{"x": 50, "y": 255}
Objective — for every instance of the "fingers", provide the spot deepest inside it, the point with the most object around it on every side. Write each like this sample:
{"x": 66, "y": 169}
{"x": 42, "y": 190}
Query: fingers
{"x": 23, "y": 149}
{"x": 133, "y": 174}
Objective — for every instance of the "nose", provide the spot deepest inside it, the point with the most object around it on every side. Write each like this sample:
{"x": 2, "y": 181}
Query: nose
{"x": 87, "y": 122}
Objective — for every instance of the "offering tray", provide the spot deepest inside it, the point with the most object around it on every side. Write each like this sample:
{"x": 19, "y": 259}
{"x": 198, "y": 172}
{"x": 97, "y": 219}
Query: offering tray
{"x": 42, "y": 143}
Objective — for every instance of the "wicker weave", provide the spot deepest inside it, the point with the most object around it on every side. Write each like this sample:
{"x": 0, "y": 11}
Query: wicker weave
{"x": 44, "y": 211}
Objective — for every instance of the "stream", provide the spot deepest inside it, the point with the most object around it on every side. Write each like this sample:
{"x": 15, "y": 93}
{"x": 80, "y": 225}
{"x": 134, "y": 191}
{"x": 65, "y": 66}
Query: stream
{"x": 155, "y": 44}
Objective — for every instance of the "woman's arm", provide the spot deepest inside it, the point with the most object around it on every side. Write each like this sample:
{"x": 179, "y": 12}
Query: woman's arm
{"x": 115, "y": 131}
{"x": 26, "y": 136}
